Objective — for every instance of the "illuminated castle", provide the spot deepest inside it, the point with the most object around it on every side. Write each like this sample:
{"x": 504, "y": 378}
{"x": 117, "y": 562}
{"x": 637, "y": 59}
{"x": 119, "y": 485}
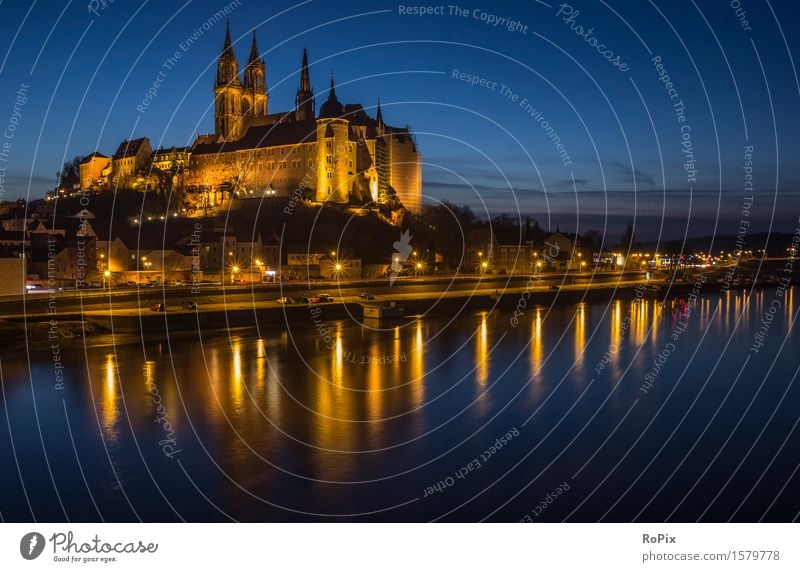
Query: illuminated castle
{"x": 340, "y": 154}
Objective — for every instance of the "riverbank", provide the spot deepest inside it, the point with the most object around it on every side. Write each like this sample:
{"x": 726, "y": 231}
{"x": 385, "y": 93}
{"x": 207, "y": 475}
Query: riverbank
{"x": 223, "y": 317}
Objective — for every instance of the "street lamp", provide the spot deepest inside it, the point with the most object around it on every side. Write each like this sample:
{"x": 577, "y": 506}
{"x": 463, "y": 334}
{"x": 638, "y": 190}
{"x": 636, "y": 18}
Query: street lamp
{"x": 234, "y": 272}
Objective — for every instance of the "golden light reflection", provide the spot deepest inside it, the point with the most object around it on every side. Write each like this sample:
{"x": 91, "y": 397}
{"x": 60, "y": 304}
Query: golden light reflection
{"x": 639, "y": 322}
{"x": 616, "y": 323}
{"x": 482, "y": 351}
{"x": 110, "y": 413}
{"x": 580, "y": 335}
{"x": 536, "y": 350}
{"x": 237, "y": 379}
{"x": 417, "y": 358}
{"x": 375, "y": 385}
{"x": 337, "y": 359}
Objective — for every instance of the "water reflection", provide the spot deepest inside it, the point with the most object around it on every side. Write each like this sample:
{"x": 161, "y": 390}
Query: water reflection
{"x": 482, "y": 351}
{"x": 360, "y": 406}
{"x": 109, "y": 405}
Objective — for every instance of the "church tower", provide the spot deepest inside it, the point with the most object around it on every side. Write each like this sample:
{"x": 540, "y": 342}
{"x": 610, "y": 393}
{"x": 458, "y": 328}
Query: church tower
{"x": 254, "y": 96}
{"x": 304, "y": 101}
{"x": 228, "y": 93}
{"x": 335, "y": 152}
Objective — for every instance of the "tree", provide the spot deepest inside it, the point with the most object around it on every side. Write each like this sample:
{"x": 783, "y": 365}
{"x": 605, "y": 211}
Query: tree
{"x": 628, "y": 240}
{"x": 70, "y": 174}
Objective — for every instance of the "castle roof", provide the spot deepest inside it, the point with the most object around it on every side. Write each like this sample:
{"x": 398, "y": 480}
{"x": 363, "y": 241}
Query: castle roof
{"x": 129, "y": 148}
{"x": 259, "y": 136}
{"x": 332, "y": 107}
{"x": 91, "y": 156}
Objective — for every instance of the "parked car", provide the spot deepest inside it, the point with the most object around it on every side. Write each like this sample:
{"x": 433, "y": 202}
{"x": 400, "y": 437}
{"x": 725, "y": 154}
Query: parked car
{"x": 325, "y": 297}
{"x": 314, "y": 300}
{"x": 158, "y": 307}
{"x": 189, "y": 305}
{"x": 285, "y": 300}
{"x": 304, "y": 300}
{"x": 365, "y": 296}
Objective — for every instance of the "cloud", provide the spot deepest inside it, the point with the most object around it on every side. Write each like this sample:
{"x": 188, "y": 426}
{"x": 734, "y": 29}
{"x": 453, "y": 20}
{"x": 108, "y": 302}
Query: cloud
{"x": 629, "y": 174}
{"x": 568, "y": 184}
{"x": 479, "y": 188}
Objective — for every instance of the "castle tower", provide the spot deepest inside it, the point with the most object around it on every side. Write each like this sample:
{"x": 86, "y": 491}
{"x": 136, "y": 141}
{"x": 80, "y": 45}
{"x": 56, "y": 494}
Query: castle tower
{"x": 304, "y": 101}
{"x": 228, "y": 93}
{"x": 335, "y": 153}
{"x": 255, "y": 98}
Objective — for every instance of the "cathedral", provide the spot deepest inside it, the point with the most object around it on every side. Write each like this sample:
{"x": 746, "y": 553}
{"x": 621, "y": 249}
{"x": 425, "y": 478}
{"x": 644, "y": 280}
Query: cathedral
{"x": 337, "y": 153}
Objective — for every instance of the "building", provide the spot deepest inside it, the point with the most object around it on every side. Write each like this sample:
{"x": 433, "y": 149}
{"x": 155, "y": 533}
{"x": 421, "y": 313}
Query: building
{"x": 12, "y": 273}
{"x": 338, "y": 154}
{"x": 93, "y": 169}
{"x": 131, "y": 158}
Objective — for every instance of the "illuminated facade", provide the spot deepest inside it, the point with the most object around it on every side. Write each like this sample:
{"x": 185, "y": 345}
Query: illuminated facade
{"x": 340, "y": 155}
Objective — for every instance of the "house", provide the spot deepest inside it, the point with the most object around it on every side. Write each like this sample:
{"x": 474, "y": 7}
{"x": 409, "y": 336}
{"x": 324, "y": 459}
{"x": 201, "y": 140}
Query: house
{"x": 12, "y": 273}
{"x": 93, "y": 169}
{"x": 130, "y": 158}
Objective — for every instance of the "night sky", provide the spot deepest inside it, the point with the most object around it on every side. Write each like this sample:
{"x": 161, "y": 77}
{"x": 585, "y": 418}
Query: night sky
{"x": 625, "y": 143}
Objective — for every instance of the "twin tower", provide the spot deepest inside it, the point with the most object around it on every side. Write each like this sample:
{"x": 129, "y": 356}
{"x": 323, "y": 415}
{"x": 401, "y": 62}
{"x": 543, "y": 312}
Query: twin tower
{"x": 239, "y": 100}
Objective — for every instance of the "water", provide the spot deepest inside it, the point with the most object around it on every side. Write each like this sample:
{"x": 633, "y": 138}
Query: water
{"x": 464, "y": 419}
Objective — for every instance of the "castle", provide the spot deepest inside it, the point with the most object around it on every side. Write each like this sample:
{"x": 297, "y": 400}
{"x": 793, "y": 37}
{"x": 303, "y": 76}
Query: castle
{"x": 339, "y": 154}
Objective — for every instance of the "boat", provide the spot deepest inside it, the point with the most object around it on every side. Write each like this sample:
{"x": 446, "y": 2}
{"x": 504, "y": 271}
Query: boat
{"x": 383, "y": 310}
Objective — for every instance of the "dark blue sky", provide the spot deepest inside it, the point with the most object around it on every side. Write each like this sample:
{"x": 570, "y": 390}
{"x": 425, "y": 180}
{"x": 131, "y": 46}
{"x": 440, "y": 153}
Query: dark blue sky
{"x": 621, "y": 136}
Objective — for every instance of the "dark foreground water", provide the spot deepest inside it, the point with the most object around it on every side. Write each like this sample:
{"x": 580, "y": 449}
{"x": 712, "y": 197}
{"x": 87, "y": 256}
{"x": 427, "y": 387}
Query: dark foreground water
{"x": 570, "y": 414}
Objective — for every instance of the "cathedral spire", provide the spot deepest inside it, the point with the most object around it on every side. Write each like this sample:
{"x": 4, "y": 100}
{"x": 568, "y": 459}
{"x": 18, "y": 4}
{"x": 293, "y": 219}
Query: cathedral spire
{"x": 379, "y": 116}
{"x": 227, "y": 48}
{"x": 332, "y": 107}
{"x": 228, "y": 66}
{"x": 332, "y": 93}
{"x": 304, "y": 101}
{"x": 305, "y": 77}
{"x": 253, "y": 59}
